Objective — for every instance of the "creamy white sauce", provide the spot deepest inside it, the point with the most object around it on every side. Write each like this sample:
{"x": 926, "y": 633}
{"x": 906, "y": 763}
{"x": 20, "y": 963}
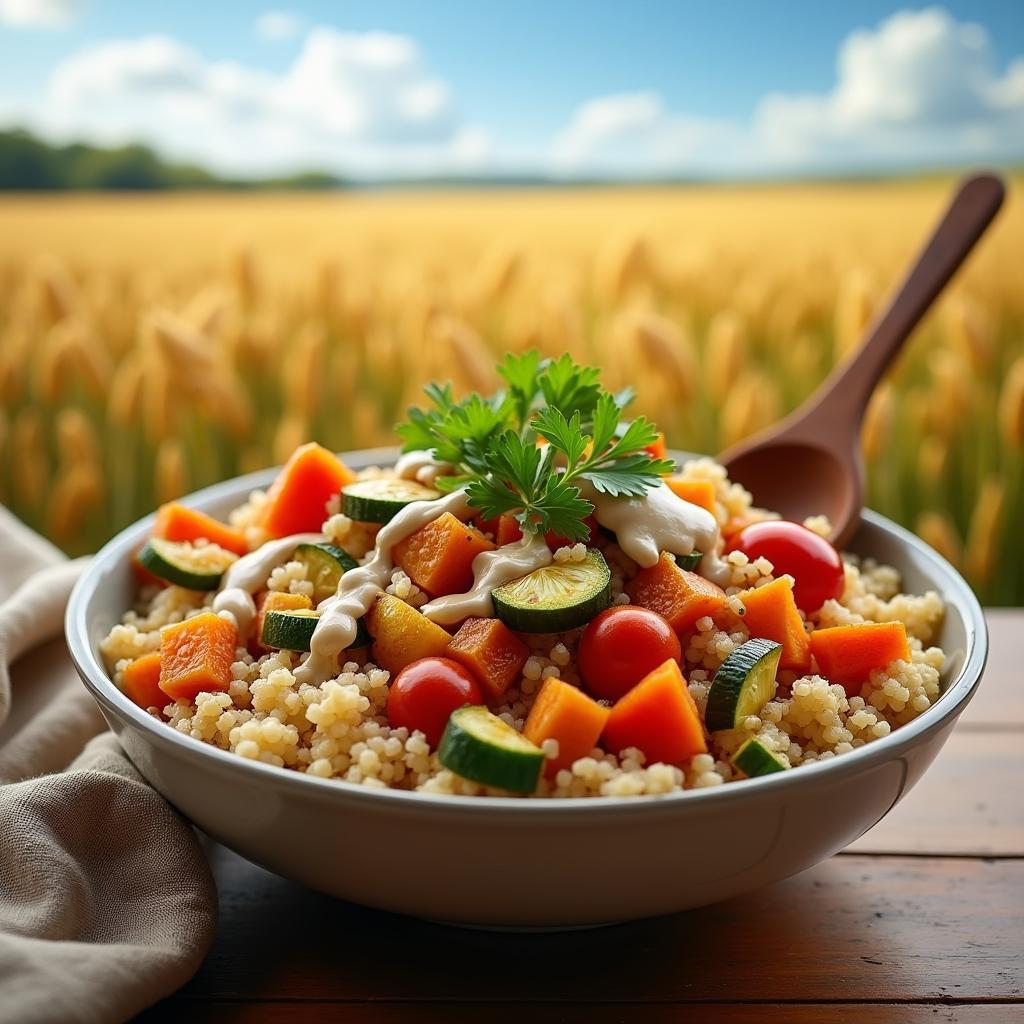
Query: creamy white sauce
{"x": 249, "y": 574}
{"x": 491, "y": 569}
{"x": 421, "y": 466}
{"x": 661, "y": 521}
{"x": 359, "y": 587}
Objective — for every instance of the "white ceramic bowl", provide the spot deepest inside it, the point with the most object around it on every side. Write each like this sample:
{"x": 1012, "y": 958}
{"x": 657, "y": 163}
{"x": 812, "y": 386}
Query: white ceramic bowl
{"x": 529, "y": 863}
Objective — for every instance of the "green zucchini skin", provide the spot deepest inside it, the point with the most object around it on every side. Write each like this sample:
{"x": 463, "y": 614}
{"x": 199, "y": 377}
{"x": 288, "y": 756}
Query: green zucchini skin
{"x": 379, "y": 501}
{"x": 587, "y": 589}
{"x": 479, "y": 746}
{"x": 293, "y": 630}
{"x": 689, "y": 562}
{"x": 325, "y": 565}
{"x": 744, "y": 683}
{"x": 755, "y": 759}
{"x": 169, "y": 560}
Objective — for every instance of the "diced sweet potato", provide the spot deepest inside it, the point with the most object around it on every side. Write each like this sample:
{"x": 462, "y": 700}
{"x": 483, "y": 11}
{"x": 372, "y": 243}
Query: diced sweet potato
{"x": 196, "y": 656}
{"x": 491, "y": 651}
{"x": 140, "y": 681}
{"x": 679, "y": 596}
{"x": 298, "y": 498}
{"x": 849, "y": 654}
{"x": 439, "y": 557}
{"x": 402, "y": 635}
{"x": 771, "y": 612}
{"x": 565, "y": 713}
{"x": 697, "y": 492}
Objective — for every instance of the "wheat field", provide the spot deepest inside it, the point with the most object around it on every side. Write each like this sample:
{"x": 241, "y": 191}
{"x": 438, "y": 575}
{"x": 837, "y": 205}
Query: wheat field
{"x": 153, "y": 344}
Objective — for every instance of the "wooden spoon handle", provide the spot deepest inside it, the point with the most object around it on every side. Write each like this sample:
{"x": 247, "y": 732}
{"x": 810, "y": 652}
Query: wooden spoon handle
{"x": 844, "y": 396}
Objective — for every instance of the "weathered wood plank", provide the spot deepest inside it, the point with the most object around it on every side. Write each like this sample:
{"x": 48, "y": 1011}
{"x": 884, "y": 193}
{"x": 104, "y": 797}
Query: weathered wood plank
{"x": 969, "y": 802}
{"x": 598, "y": 1013}
{"x": 854, "y": 928}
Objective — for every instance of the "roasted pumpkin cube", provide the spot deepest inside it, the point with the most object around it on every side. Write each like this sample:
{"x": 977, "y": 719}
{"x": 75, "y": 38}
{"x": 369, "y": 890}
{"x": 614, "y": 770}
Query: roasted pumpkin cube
{"x": 491, "y": 651}
{"x": 196, "y": 656}
{"x": 678, "y": 596}
{"x": 771, "y": 612}
{"x": 439, "y": 556}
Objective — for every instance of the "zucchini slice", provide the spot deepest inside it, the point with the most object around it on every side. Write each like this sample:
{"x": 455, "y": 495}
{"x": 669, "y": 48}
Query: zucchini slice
{"x": 743, "y": 685}
{"x": 380, "y": 500}
{"x": 325, "y": 565}
{"x": 754, "y": 759}
{"x": 293, "y": 630}
{"x": 557, "y": 597}
{"x": 689, "y": 562}
{"x": 481, "y": 747}
{"x": 180, "y": 563}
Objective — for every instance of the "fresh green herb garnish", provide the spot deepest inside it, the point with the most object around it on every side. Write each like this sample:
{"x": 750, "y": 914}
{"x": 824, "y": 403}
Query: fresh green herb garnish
{"x": 493, "y": 444}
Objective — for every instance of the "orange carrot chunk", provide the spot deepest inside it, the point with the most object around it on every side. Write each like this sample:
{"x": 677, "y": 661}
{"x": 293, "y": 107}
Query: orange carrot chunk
{"x": 196, "y": 656}
{"x": 771, "y": 613}
{"x": 177, "y": 522}
{"x": 849, "y": 654}
{"x": 679, "y": 596}
{"x": 491, "y": 651}
{"x": 140, "y": 681}
{"x": 277, "y": 601}
{"x": 659, "y": 717}
{"x": 439, "y": 557}
{"x": 697, "y": 492}
{"x": 298, "y": 498}
{"x": 565, "y": 713}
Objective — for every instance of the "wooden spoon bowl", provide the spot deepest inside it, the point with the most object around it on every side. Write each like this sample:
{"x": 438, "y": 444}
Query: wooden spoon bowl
{"x": 810, "y": 463}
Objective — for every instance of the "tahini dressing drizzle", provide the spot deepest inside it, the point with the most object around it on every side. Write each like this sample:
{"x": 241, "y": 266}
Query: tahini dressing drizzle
{"x": 249, "y": 574}
{"x": 660, "y": 521}
{"x": 358, "y": 588}
{"x": 421, "y": 466}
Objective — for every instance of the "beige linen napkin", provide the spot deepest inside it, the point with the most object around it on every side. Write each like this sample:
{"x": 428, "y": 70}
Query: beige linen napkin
{"x": 106, "y": 900}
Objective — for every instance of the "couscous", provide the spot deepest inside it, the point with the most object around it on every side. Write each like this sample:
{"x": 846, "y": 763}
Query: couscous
{"x": 534, "y": 601}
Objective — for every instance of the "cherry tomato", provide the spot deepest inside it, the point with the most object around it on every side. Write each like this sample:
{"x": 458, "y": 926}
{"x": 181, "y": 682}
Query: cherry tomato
{"x": 621, "y": 645}
{"x": 426, "y": 692}
{"x": 812, "y": 562}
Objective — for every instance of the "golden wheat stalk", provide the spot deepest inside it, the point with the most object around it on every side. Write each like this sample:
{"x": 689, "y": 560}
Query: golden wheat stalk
{"x": 983, "y": 536}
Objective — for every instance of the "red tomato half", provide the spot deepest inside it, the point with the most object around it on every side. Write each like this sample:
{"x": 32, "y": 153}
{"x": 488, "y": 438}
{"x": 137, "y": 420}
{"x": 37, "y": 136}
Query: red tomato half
{"x": 621, "y": 645}
{"x": 812, "y": 562}
{"x": 426, "y": 692}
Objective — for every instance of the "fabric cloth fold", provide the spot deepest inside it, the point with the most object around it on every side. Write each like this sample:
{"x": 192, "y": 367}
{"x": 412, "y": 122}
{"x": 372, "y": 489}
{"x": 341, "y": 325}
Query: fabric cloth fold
{"x": 107, "y": 903}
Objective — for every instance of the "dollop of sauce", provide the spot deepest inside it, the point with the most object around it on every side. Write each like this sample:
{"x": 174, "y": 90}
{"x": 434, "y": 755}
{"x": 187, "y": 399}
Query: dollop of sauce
{"x": 491, "y": 569}
{"x": 660, "y": 521}
{"x": 249, "y": 574}
{"x": 358, "y": 588}
{"x": 421, "y": 466}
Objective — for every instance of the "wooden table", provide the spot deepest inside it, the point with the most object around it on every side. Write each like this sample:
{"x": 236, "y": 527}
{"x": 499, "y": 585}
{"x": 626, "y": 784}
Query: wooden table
{"x": 922, "y": 919}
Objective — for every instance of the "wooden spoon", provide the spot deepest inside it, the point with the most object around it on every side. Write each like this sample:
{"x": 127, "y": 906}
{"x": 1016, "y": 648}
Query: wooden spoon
{"x": 810, "y": 463}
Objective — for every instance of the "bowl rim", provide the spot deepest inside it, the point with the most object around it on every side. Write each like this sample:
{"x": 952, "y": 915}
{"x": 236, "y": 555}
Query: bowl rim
{"x": 88, "y": 663}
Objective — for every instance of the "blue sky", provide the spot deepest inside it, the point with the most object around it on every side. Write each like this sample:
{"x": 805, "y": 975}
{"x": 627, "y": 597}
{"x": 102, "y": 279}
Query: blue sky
{"x": 639, "y": 89}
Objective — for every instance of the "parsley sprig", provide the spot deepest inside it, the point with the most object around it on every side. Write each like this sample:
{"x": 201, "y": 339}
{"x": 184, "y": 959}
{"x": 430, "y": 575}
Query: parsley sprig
{"x": 492, "y": 443}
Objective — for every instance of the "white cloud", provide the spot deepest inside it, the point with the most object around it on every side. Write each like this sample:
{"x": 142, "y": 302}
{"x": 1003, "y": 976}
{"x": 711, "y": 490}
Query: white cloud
{"x": 277, "y": 26}
{"x": 921, "y": 88}
{"x": 38, "y": 13}
{"x": 355, "y": 103}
